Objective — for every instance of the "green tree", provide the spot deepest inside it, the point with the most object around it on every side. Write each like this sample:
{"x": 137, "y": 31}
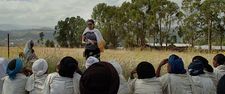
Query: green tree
{"x": 68, "y": 32}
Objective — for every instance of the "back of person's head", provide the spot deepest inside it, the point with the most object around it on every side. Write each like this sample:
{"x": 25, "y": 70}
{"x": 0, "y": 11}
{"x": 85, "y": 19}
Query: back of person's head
{"x": 100, "y": 78}
{"x": 196, "y": 68}
{"x": 67, "y": 67}
{"x": 145, "y": 70}
{"x": 15, "y": 66}
{"x": 117, "y": 66}
{"x": 205, "y": 62}
{"x": 40, "y": 67}
{"x": 176, "y": 65}
{"x": 221, "y": 85}
{"x": 219, "y": 59}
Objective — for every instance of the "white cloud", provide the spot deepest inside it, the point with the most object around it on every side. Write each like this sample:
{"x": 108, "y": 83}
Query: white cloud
{"x": 47, "y": 12}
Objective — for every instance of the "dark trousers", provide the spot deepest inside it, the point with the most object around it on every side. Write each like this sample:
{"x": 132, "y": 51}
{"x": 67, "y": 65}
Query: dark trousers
{"x": 94, "y": 53}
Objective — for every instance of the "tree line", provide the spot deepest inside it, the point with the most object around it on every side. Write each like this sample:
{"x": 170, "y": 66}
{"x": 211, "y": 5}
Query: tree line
{"x": 136, "y": 23}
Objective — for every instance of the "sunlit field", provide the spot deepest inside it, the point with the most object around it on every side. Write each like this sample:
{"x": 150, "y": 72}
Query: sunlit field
{"x": 127, "y": 58}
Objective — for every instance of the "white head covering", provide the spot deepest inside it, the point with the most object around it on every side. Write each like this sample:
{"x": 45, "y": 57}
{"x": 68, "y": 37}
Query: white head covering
{"x": 39, "y": 67}
{"x": 3, "y": 66}
{"x": 27, "y": 48}
{"x": 123, "y": 88}
{"x": 91, "y": 60}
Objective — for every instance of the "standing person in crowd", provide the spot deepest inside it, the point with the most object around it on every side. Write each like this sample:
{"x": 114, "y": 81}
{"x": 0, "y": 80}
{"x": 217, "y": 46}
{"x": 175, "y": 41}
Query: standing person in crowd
{"x": 219, "y": 66}
{"x": 146, "y": 83}
{"x": 35, "y": 83}
{"x": 100, "y": 78}
{"x": 204, "y": 85}
{"x": 65, "y": 80}
{"x": 176, "y": 81}
{"x": 123, "y": 88}
{"x": 16, "y": 80}
{"x": 94, "y": 42}
{"x": 221, "y": 85}
{"x": 29, "y": 53}
{"x": 3, "y": 67}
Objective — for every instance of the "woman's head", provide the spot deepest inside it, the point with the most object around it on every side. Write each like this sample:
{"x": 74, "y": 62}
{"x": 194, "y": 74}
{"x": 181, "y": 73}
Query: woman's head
{"x": 67, "y": 67}
{"x": 100, "y": 78}
{"x": 175, "y": 65}
{"x": 40, "y": 67}
{"x": 145, "y": 70}
{"x": 219, "y": 59}
{"x": 91, "y": 24}
{"x": 196, "y": 68}
{"x": 15, "y": 66}
{"x": 205, "y": 62}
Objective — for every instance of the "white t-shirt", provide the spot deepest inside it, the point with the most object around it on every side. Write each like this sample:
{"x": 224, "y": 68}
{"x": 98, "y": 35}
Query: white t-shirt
{"x": 35, "y": 84}
{"x": 204, "y": 85}
{"x": 145, "y": 86}
{"x": 55, "y": 84}
{"x": 177, "y": 84}
{"x": 16, "y": 86}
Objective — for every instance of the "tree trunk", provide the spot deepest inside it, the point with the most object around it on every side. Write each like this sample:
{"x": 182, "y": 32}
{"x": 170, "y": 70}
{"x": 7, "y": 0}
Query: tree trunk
{"x": 209, "y": 35}
{"x": 160, "y": 32}
{"x": 221, "y": 41}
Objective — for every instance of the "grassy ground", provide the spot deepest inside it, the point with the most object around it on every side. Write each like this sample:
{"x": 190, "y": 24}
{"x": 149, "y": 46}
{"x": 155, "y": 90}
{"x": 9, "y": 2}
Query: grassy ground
{"x": 127, "y": 58}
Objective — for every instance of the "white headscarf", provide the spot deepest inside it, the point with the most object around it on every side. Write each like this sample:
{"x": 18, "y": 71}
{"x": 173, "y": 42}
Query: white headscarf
{"x": 123, "y": 88}
{"x": 27, "y": 48}
{"x": 39, "y": 67}
{"x": 3, "y": 66}
{"x": 91, "y": 60}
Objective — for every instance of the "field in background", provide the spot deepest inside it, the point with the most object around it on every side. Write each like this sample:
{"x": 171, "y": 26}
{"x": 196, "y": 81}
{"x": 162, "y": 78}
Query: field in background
{"x": 127, "y": 58}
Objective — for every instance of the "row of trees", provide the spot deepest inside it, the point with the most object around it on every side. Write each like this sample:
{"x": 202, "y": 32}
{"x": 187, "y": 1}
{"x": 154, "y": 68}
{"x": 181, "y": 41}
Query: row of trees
{"x": 135, "y": 23}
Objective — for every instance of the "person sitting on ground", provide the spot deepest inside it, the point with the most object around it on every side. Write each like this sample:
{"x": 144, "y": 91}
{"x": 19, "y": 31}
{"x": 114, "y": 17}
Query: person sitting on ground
{"x": 35, "y": 83}
{"x": 146, "y": 83}
{"x": 90, "y": 60}
{"x": 123, "y": 88}
{"x": 15, "y": 81}
{"x": 3, "y": 67}
{"x": 208, "y": 69}
{"x": 219, "y": 66}
{"x": 65, "y": 80}
{"x": 176, "y": 81}
{"x": 221, "y": 85}
{"x": 100, "y": 78}
{"x": 203, "y": 83}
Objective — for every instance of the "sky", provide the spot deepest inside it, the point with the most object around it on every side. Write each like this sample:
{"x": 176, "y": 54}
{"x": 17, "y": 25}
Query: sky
{"x": 47, "y": 12}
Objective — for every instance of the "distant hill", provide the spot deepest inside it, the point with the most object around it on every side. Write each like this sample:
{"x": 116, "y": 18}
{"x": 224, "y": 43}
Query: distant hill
{"x": 20, "y": 34}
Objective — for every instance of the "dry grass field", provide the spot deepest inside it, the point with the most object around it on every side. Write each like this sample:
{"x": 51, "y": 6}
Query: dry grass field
{"x": 127, "y": 58}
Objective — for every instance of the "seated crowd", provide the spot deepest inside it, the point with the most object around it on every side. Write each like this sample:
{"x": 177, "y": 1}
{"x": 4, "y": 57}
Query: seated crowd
{"x": 106, "y": 77}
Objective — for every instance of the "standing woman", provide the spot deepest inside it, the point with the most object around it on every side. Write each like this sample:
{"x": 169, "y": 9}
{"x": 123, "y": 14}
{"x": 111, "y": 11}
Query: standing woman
{"x": 29, "y": 53}
{"x": 94, "y": 42}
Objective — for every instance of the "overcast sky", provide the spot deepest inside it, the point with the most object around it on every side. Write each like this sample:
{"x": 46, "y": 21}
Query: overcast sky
{"x": 48, "y": 12}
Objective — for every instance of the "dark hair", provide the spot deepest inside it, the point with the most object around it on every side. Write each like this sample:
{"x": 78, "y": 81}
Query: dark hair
{"x": 100, "y": 78}
{"x": 205, "y": 62}
{"x": 91, "y": 20}
{"x": 196, "y": 68}
{"x": 220, "y": 59}
{"x": 221, "y": 85}
{"x": 12, "y": 64}
{"x": 145, "y": 70}
{"x": 67, "y": 67}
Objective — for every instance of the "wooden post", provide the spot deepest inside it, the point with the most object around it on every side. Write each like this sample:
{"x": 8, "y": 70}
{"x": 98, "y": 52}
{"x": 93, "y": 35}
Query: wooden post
{"x": 8, "y": 45}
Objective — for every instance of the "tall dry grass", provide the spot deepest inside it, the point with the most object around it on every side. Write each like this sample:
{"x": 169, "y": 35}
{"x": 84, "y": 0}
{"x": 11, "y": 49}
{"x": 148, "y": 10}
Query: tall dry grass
{"x": 127, "y": 58}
